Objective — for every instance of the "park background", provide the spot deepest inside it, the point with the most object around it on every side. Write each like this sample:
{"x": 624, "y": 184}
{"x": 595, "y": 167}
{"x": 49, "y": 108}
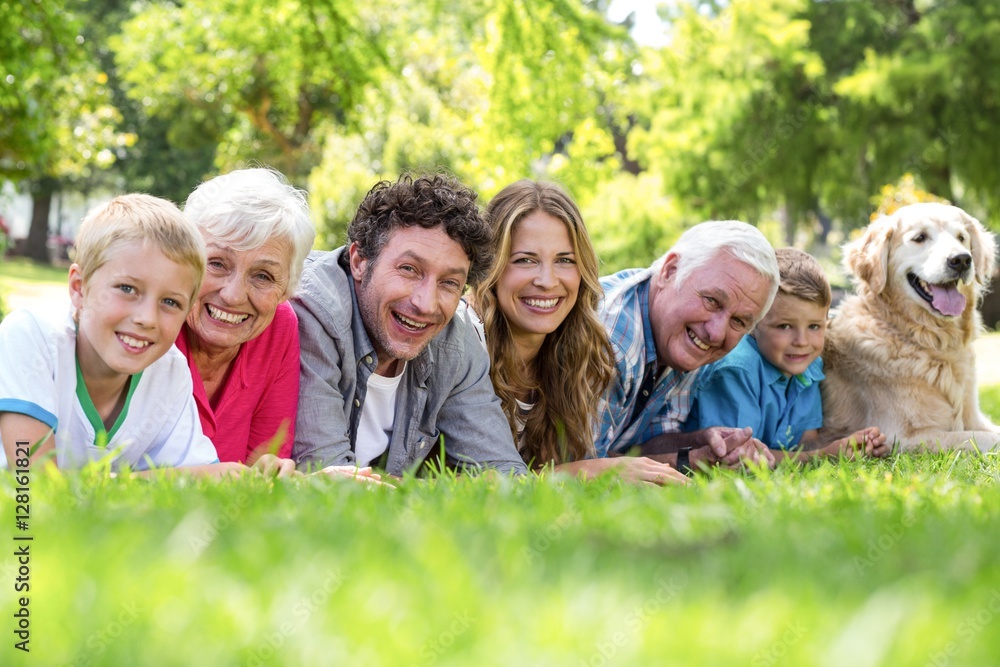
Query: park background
{"x": 802, "y": 117}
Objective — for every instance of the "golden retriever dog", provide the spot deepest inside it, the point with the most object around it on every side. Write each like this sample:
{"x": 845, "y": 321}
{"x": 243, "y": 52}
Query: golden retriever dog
{"x": 898, "y": 352}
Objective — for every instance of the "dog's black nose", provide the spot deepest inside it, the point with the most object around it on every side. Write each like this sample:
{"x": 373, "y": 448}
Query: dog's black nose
{"x": 960, "y": 263}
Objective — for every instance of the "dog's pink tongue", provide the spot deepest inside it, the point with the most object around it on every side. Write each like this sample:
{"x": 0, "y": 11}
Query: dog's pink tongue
{"x": 947, "y": 300}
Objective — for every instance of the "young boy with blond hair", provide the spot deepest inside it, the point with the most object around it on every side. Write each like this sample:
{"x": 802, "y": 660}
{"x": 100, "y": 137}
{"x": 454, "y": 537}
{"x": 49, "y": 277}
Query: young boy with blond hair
{"x": 106, "y": 378}
{"x": 770, "y": 381}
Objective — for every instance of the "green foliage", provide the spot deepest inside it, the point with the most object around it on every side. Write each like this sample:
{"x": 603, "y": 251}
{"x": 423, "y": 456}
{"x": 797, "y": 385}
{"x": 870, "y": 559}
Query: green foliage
{"x": 492, "y": 92}
{"x": 791, "y": 114}
{"x": 26, "y": 66}
{"x": 884, "y": 562}
{"x": 58, "y": 117}
{"x": 737, "y": 125}
{"x": 261, "y": 73}
{"x": 631, "y": 221}
{"x": 930, "y": 101}
{"x": 803, "y": 109}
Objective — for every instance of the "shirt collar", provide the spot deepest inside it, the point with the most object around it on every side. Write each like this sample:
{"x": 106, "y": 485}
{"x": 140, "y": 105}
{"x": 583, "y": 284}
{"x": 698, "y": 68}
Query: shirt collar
{"x": 642, "y": 293}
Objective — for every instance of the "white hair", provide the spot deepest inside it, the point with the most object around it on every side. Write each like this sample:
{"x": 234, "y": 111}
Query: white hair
{"x": 246, "y": 208}
{"x": 701, "y": 244}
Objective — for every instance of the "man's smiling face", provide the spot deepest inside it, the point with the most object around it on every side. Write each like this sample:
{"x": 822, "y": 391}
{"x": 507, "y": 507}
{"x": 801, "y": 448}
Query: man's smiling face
{"x": 409, "y": 292}
{"x": 700, "y": 320}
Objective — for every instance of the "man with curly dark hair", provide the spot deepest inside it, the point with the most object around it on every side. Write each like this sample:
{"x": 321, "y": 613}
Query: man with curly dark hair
{"x": 386, "y": 373}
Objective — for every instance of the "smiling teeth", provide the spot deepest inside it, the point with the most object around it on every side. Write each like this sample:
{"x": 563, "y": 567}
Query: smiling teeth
{"x": 223, "y": 316}
{"x": 697, "y": 341}
{"x": 542, "y": 303}
{"x": 410, "y": 323}
{"x": 133, "y": 342}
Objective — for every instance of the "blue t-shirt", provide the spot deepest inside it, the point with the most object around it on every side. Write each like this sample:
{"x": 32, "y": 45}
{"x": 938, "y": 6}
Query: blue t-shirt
{"x": 744, "y": 389}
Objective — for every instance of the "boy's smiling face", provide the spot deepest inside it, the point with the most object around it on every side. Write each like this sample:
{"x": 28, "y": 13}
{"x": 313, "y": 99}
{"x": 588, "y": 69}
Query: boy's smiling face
{"x": 129, "y": 311}
{"x": 790, "y": 336}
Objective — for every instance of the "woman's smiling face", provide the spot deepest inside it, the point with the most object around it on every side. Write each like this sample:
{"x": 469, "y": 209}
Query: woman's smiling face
{"x": 240, "y": 293}
{"x": 541, "y": 281}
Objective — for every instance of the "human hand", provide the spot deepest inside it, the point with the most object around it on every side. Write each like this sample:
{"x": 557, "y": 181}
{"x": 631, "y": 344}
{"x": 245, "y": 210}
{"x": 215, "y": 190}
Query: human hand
{"x": 632, "y": 469}
{"x": 363, "y": 475}
{"x": 753, "y": 451}
{"x": 868, "y": 442}
{"x": 721, "y": 440}
{"x": 270, "y": 465}
{"x": 643, "y": 470}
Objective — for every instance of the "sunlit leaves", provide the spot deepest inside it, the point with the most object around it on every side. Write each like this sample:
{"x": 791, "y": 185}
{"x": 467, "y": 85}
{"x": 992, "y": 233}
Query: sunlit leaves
{"x": 267, "y": 70}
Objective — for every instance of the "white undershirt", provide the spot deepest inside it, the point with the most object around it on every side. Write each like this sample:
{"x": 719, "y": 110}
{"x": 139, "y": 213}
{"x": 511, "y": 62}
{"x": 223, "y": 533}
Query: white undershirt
{"x": 375, "y": 425}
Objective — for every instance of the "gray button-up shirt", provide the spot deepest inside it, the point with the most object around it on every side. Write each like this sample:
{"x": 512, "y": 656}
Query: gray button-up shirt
{"x": 445, "y": 392}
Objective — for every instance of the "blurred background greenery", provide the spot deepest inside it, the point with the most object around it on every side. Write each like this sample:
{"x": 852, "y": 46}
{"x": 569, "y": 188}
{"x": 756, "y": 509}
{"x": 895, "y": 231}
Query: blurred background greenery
{"x": 791, "y": 114}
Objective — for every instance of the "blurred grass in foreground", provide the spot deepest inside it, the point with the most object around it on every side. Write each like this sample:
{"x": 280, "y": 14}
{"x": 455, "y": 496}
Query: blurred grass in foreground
{"x": 874, "y": 563}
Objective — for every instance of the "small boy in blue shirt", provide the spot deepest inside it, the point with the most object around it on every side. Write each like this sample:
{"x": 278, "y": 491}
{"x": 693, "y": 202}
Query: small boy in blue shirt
{"x": 770, "y": 381}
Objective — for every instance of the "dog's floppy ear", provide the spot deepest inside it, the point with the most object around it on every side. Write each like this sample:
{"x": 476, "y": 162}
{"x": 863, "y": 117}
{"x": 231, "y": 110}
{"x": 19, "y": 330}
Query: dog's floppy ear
{"x": 867, "y": 257}
{"x": 984, "y": 248}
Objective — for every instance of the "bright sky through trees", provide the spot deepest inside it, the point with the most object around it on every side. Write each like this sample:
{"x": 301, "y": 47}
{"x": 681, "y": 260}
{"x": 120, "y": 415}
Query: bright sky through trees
{"x": 649, "y": 29}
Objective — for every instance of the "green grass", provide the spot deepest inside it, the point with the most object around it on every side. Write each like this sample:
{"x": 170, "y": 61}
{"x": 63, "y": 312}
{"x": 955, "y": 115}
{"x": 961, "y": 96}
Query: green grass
{"x": 18, "y": 269}
{"x": 873, "y": 563}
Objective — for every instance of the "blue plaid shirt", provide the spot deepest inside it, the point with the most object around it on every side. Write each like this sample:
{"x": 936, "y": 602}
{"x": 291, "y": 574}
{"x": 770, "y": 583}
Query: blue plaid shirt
{"x": 625, "y": 313}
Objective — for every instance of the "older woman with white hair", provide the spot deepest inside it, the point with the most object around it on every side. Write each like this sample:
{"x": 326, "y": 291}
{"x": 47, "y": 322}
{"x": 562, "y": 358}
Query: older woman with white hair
{"x": 241, "y": 338}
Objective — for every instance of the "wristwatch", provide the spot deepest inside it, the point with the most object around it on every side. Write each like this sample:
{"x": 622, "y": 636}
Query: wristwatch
{"x": 684, "y": 460}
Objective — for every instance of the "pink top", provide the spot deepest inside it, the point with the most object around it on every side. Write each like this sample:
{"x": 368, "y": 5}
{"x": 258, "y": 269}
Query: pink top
{"x": 261, "y": 392}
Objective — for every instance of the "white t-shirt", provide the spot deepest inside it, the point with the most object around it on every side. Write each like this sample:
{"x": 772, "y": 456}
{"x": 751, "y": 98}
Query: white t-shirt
{"x": 377, "y": 415}
{"x": 159, "y": 424}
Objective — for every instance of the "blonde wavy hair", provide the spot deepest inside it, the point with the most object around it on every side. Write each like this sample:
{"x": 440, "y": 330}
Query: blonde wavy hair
{"x": 575, "y": 363}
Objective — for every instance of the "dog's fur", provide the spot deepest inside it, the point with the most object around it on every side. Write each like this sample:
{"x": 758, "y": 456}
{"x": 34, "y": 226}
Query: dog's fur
{"x": 892, "y": 359}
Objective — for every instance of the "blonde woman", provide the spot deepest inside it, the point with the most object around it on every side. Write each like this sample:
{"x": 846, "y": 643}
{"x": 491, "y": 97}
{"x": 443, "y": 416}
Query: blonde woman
{"x": 549, "y": 353}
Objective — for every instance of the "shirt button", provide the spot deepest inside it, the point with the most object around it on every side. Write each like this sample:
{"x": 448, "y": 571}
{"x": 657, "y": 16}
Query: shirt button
{"x": 357, "y": 403}
{"x": 368, "y": 359}
{"x": 421, "y": 444}
{"x": 645, "y": 392}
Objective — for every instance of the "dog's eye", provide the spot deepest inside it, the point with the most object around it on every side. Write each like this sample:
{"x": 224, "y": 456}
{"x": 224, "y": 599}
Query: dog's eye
{"x": 920, "y": 238}
{"x": 961, "y": 238}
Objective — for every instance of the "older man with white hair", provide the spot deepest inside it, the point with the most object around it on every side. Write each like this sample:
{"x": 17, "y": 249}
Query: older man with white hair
{"x": 690, "y": 308}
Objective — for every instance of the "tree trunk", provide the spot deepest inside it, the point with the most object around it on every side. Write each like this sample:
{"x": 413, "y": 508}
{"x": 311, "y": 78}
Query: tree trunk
{"x": 790, "y": 221}
{"x": 825, "y": 223}
{"x": 36, "y": 247}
